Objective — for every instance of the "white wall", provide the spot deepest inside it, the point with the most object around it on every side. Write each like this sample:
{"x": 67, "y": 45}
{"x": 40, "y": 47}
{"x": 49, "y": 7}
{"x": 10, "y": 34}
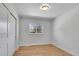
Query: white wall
{"x": 34, "y": 39}
{"x": 8, "y": 42}
{"x": 12, "y": 10}
{"x": 65, "y": 31}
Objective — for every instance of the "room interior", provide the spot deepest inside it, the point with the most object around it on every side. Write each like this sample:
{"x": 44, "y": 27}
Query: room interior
{"x": 39, "y": 29}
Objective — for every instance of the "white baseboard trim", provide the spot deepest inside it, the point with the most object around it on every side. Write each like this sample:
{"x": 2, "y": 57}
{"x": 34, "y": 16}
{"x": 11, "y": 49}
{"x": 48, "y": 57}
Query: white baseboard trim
{"x": 34, "y": 44}
{"x": 15, "y": 51}
{"x": 70, "y": 52}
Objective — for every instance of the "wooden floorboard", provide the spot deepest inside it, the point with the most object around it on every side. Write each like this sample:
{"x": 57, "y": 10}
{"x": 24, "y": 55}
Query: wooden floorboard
{"x": 40, "y": 50}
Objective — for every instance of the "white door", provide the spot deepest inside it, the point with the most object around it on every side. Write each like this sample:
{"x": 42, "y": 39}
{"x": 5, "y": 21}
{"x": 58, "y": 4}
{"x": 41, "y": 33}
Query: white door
{"x": 11, "y": 35}
{"x": 3, "y": 32}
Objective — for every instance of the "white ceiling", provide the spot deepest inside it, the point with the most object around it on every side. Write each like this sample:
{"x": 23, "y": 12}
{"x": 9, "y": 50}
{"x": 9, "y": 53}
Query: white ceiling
{"x": 33, "y": 9}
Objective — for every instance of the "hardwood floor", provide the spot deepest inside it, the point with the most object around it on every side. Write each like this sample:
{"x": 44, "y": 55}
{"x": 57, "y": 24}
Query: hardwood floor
{"x": 40, "y": 50}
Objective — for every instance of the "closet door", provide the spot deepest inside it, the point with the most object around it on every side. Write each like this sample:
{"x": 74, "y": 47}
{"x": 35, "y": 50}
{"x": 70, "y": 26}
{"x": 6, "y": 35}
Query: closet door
{"x": 11, "y": 35}
{"x": 3, "y": 32}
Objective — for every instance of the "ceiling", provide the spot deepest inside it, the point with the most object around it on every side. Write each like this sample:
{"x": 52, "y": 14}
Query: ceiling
{"x": 33, "y": 9}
